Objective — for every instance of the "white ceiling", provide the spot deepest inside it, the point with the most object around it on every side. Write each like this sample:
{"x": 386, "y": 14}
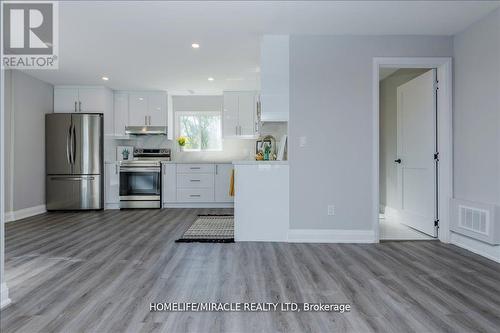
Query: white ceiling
{"x": 147, "y": 45}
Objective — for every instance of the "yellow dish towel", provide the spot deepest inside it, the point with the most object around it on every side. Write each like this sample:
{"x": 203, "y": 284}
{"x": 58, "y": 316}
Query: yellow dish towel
{"x": 231, "y": 185}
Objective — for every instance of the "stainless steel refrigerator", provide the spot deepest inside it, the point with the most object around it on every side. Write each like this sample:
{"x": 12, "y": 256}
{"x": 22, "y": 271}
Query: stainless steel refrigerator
{"x": 74, "y": 161}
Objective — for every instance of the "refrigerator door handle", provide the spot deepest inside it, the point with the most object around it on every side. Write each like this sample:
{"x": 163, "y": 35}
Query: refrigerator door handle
{"x": 68, "y": 143}
{"x": 65, "y": 178}
{"x": 73, "y": 144}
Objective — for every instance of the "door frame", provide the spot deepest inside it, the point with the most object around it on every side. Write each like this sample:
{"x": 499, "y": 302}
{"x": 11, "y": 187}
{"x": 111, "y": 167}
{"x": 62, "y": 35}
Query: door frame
{"x": 445, "y": 133}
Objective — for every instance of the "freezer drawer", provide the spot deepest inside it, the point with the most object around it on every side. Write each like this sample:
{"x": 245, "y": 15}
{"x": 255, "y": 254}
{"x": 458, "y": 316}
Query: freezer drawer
{"x": 74, "y": 192}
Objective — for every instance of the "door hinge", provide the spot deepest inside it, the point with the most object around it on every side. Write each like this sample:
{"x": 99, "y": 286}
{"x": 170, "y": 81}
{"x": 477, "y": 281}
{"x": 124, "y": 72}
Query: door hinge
{"x": 436, "y": 156}
{"x": 436, "y": 85}
{"x": 436, "y": 223}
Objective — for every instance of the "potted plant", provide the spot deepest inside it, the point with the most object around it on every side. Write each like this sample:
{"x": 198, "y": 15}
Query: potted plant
{"x": 182, "y": 140}
{"x": 125, "y": 154}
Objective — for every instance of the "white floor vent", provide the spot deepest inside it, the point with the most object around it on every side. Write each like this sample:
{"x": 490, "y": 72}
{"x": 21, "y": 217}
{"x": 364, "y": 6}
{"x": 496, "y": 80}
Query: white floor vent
{"x": 477, "y": 220}
{"x": 474, "y": 219}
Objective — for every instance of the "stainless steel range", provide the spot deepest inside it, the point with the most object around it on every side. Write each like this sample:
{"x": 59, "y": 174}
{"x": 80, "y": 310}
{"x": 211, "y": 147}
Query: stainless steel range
{"x": 140, "y": 178}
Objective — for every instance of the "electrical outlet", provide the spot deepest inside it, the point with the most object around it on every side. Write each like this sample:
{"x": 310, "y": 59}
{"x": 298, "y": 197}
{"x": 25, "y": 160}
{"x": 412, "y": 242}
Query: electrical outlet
{"x": 331, "y": 210}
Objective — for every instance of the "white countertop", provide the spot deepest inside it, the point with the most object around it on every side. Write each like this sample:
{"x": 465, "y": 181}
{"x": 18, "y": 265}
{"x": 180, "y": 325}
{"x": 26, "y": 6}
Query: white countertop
{"x": 183, "y": 162}
{"x": 254, "y": 162}
{"x": 197, "y": 162}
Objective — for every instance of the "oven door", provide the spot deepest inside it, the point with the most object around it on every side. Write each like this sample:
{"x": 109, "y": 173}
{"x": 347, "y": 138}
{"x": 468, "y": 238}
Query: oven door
{"x": 140, "y": 183}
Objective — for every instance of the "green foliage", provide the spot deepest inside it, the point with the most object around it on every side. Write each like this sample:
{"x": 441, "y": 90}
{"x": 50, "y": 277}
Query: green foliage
{"x": 202, "y": 131}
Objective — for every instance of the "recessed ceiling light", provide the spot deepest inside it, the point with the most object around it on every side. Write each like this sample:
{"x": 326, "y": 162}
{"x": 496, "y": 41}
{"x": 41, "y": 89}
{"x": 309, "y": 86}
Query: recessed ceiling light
{"x": 195, "y": 46}
{"x": 211, "y": 79}
{"x": 105, "y": 78}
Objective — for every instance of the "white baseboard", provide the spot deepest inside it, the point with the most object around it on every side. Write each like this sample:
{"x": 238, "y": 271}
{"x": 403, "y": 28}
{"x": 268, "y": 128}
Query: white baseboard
{"x": 4, "y": 295}
{"x": 391, "y": 212}
{"x": 111, "y": 206}
{"x": 183, "y": 205}
{"x": 24, "y": 213}
{"x": 199, "y": 205}
{"x": 491, "y": 252}
{"x": 330, "y": 236}
{"x": 9, "y": 217}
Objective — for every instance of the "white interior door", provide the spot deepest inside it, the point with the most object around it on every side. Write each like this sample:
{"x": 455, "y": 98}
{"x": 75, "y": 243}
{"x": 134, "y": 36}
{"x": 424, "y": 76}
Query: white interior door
{"x": 416, "y": 121}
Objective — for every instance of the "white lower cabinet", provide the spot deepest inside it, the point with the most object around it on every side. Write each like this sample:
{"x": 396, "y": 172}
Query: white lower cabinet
{"x": 261, "y": 206}
{"x": 195, "y": 194}
{"x": 169, "y": 184}
{"x": 223, "y": 182}
{"x": 196, "y": 184}
{"x": 201, "y": 180}
{"x": 112, "y": 186}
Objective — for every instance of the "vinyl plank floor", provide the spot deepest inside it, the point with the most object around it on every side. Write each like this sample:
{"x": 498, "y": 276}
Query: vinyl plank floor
{"x": 99, "y": 271}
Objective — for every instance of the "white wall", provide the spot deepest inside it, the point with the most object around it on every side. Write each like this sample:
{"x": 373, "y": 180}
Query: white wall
{"x": 476, "y": 119}
{"x": 388, "y": 133}
{"x": 30, "y": 99}
{"x": 477, "y": 111}
{"x": 331, "y": 105}
{"x": 4, "y": 291}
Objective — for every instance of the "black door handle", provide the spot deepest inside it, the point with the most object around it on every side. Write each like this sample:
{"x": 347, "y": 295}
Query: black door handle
{"x": 398, "y": 161}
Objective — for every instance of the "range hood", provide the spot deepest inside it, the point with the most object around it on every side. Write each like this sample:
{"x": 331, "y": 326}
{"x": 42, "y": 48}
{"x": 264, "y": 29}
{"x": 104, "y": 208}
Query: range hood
{"x": 146, "y": 130}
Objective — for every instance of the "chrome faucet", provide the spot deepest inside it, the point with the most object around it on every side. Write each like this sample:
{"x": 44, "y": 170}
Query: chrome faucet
{"x": 273, "y": 145}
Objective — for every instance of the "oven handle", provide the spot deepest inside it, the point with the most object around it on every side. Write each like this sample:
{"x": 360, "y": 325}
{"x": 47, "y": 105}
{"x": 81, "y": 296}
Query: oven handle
{"x": 141, "y": 169}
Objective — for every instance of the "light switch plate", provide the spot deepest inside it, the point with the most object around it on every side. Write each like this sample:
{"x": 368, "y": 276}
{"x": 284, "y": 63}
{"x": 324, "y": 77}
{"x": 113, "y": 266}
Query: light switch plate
{"x": 302, "y": 141}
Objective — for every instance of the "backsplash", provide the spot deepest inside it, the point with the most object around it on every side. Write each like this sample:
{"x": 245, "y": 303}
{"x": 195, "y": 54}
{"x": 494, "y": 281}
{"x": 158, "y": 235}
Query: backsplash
{"x": 232, "y": 149}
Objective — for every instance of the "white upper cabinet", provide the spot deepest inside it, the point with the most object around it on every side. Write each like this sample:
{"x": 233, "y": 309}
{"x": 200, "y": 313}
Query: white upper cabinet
{"x": 240, "y": 114}
{"x": 120, "y": 113}
{"x": 247, "y": 115}
{"x": 147, "y": 108}
{"x": 274, "y": 77}
{"x": 65, "y": 100}
{"x": 91, "y": 99}
{"x": 157, "y": 109}
{"x": 86, "y": 99}
{"x": 138, "y": 109}
{"x": 230, "y": 114}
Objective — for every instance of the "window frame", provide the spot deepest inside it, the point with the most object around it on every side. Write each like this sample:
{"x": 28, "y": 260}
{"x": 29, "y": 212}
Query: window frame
{"x": 177, "y": 130}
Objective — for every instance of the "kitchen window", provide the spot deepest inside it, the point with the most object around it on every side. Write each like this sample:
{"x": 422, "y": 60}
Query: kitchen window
{"x": 201, "y": 128}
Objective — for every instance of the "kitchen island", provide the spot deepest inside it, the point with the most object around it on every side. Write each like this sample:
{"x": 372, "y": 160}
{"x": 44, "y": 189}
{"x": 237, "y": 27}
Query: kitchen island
{"x": 261, "y": 202}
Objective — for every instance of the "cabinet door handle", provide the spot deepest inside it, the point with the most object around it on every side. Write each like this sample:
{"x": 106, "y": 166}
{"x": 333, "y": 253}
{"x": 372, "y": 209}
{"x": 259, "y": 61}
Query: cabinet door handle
{"x": 75, "y": 107}
{"x": 195, "y": 195}
{"x": 80, "y": 106}
{"x": 116, "y": 169}
{"x": 194, "y": 180}
{"x": 146, "y": 120}
{"x": 216, "y": 169}
{"x": 149, "y": 120}
{"x": 194, "y": 168}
